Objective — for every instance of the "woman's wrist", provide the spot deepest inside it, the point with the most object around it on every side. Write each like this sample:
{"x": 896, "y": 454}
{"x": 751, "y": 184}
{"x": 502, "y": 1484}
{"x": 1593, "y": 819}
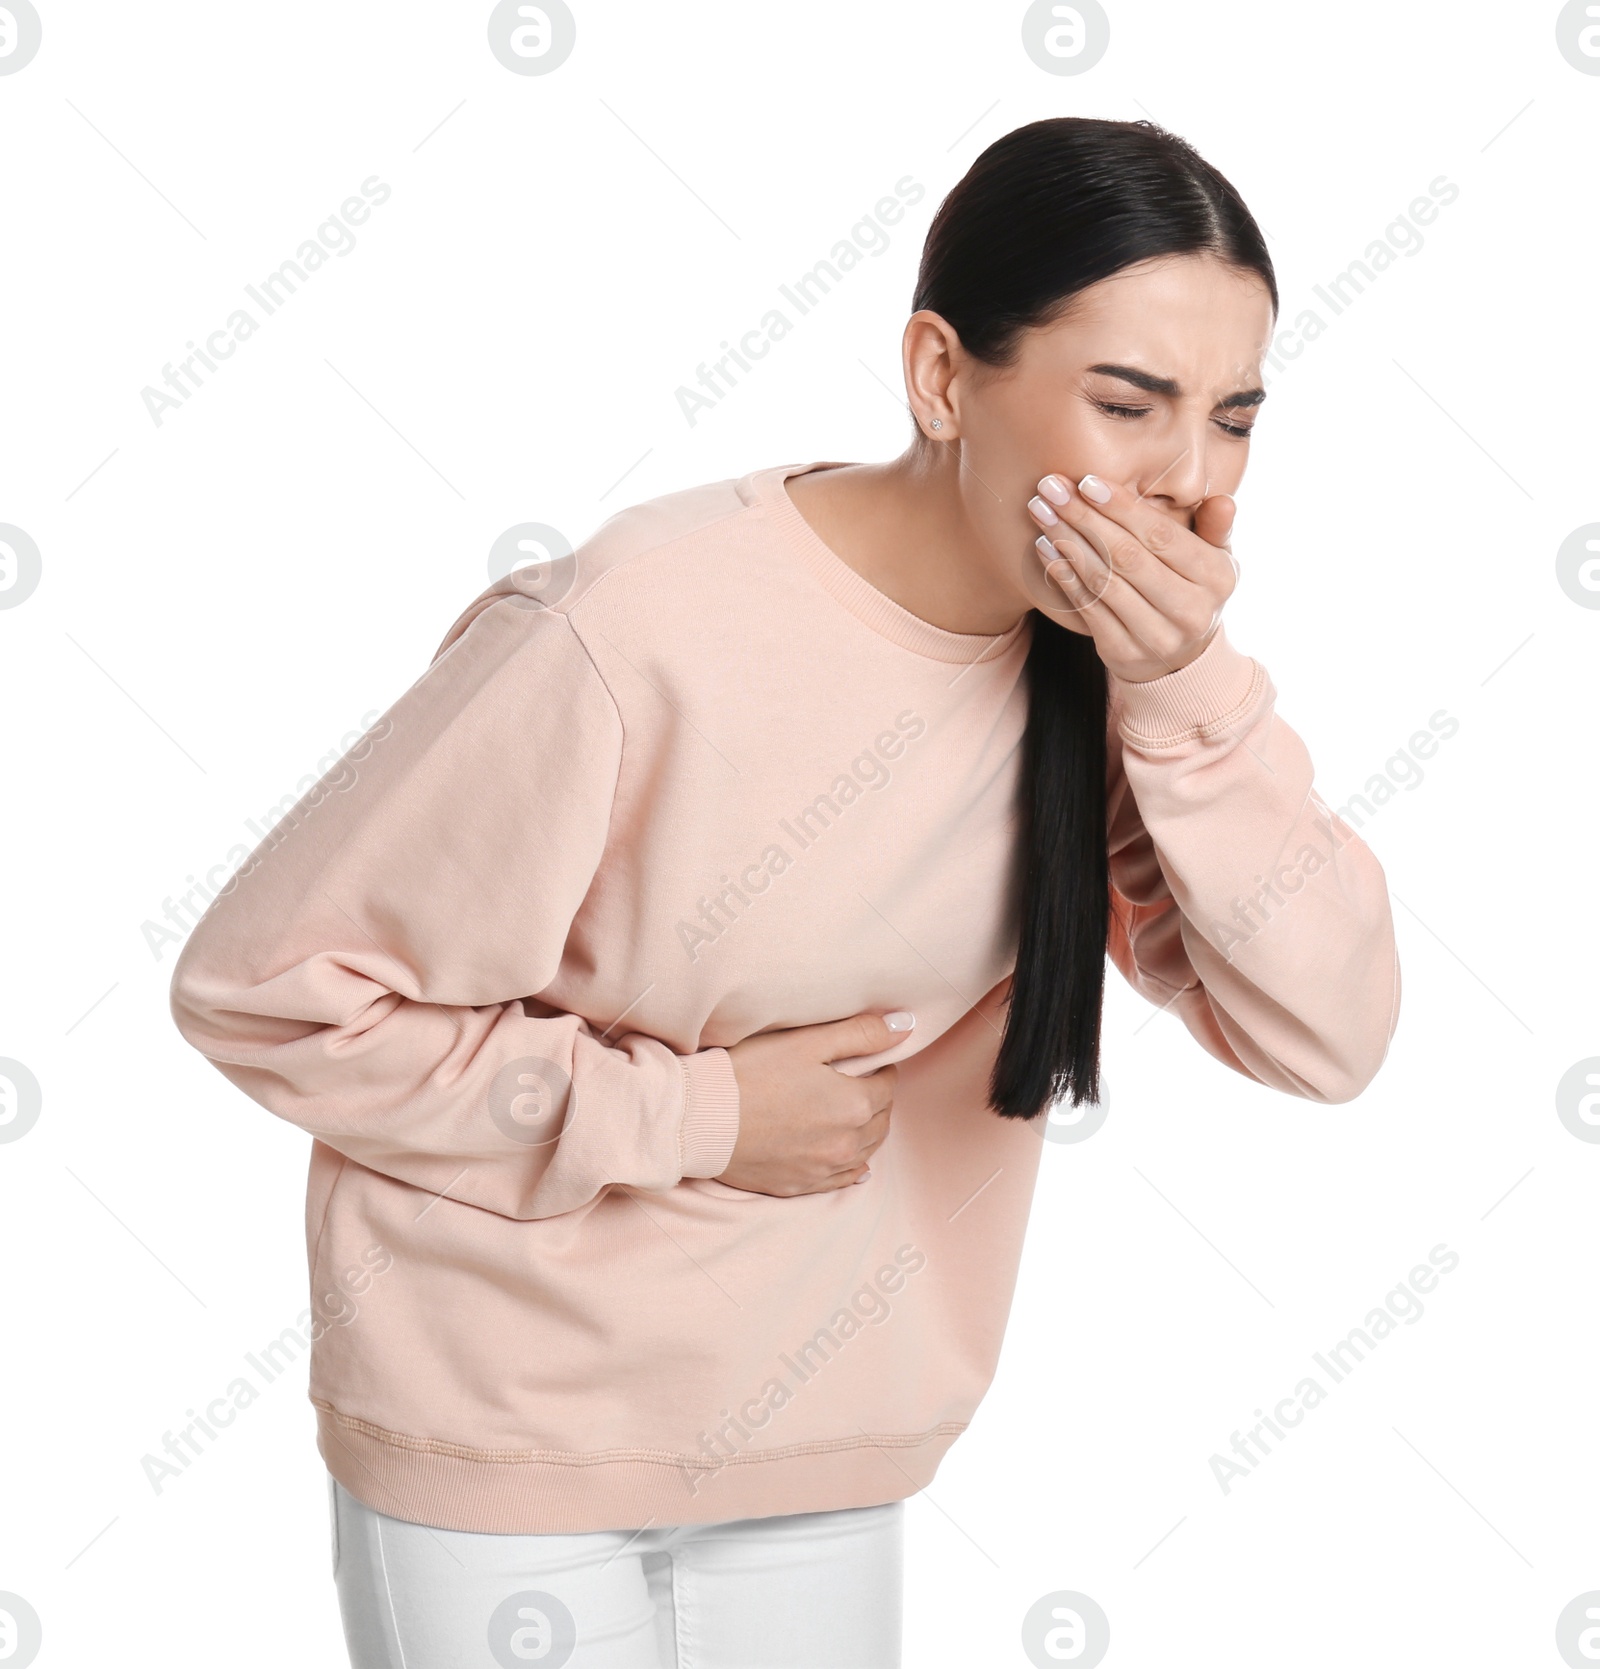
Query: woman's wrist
{"x": 710, "y": 1124}
{"x": 1210, "y": 691}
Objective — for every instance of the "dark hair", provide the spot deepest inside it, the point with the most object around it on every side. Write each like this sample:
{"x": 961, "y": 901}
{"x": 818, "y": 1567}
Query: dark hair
{"x": 1043, "y": 213}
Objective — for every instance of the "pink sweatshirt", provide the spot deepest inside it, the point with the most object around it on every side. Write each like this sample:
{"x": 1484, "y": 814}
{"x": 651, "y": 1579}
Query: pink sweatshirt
{"x": 718, "y": 785}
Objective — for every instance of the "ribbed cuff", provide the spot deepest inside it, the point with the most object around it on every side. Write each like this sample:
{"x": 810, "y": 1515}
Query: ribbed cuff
{"x": 1212, "y": 692}
{"x": 710, "y": 1113}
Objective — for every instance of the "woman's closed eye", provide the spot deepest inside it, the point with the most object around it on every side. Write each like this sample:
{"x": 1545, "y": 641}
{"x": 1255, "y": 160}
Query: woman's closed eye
{"x": 1240, "y": 431}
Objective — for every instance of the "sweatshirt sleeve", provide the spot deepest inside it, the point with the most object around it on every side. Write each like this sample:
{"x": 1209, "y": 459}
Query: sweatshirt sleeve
{"x": 364, "y": 973}
{"x": 1239, "y": 900}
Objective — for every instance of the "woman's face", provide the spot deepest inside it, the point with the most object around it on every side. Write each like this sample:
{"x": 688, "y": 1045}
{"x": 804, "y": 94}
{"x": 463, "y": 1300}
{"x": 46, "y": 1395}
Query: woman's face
{"x": 1152, "y": 379}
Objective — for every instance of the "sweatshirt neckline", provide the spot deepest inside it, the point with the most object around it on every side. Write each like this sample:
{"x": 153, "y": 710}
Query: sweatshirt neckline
{"x": 864, "y": 600}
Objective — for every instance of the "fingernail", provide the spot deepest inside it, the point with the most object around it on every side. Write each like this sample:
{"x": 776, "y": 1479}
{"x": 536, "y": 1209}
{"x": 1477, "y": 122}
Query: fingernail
{"x": 1047, "y": 552}
{"x": 866, "y": 1176}
{"x": 1042, "y": 512}
{"x": 1055, "y": 489}
{"x": 1091, "y": 486}
{"x": 900, "y": 1021}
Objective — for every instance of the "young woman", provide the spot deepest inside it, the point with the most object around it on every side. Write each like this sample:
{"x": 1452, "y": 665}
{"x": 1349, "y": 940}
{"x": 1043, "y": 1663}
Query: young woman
{"x": 675, "y": 980}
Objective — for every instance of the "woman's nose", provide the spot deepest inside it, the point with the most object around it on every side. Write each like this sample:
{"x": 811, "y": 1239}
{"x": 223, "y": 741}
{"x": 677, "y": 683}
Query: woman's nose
{"x": 1178, "y": 476}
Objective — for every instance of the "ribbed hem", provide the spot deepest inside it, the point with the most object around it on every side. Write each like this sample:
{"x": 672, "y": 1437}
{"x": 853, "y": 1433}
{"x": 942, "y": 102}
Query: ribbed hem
{"x": 866, "y": 602}
{"x": 1213, "y": 692}
{"x": 710, "y": 1113}
{"x": 547, "y": 1492}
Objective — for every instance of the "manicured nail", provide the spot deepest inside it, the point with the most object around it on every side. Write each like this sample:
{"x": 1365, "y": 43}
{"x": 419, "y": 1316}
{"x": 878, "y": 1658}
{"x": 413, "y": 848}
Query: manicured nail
{"x": 1091, "y": 486}
{"x": 866, "y": 1176}
{"x": 1055, "y": 489}
{"x": 1047, "y": 552}
{"x": 1042, "y": 513}
{"x": 900, "y": 1021}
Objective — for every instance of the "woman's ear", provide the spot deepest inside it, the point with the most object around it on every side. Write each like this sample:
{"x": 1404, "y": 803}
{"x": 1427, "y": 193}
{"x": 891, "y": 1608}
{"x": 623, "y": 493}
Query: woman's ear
{"x": 928, "y": 349}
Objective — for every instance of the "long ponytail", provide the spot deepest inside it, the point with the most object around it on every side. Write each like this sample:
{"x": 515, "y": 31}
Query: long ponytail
{"x": 1043, "y": 213}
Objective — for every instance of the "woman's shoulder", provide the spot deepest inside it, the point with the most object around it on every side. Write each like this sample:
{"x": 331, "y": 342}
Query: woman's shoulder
{"x": 670, "y": 519}
{"x": 641, "y": 561}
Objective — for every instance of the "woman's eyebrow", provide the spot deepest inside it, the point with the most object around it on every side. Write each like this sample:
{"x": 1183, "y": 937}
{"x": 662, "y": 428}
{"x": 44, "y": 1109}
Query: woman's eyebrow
{"x": 1165, "y": 385}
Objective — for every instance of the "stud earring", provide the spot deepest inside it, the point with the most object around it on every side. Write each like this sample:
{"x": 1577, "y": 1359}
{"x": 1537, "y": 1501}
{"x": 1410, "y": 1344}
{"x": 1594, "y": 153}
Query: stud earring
{"x": 937, "y": 423}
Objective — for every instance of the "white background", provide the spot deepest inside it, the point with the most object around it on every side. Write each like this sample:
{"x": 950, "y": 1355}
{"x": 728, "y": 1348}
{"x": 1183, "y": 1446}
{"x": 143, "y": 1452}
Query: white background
{"x": 225, "y": 595}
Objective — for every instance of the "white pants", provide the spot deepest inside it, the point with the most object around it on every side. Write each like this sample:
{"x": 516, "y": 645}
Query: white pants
{"x": 800, "y": 1591}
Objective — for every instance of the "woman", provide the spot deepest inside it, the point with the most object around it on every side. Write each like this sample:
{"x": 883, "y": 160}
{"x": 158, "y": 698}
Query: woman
{"x": 677, "y": 981}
